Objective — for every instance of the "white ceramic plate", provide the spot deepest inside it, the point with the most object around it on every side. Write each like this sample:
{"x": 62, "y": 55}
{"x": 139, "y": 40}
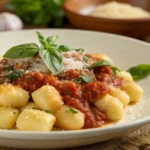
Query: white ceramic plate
{"x": 125, "y": 52}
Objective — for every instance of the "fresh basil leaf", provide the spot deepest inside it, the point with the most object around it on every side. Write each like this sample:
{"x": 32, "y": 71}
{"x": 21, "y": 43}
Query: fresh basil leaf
{"x": 114, "y": 70}
{"x": 42, "y": 40}
{"x": 50, "y": 54}
{"x": 64, "y": 48}
{"x": 52, "y": 40}
{"x": 48, "y": 111}
{"x": 84, "y": 78}
{"x": 100, "y": 63}
{"x": 140, "y": 71}
{"x": 85, "y": 59}
{"x": 13, "y": 75}
{"x": 22, "y": 51}
{"x": 52, "y": 59}
{"x": 80, "y": 50}
{"x": 72, "y": 110}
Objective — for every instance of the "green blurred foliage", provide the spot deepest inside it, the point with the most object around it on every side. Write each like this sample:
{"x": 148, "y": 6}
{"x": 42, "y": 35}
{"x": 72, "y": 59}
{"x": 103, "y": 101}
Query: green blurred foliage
{"x": 38, "y": 12}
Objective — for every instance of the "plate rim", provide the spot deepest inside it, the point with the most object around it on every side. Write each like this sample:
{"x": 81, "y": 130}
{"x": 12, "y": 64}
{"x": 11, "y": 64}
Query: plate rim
{"x": 86, "y": 133}
{"x": 79, "y": 30}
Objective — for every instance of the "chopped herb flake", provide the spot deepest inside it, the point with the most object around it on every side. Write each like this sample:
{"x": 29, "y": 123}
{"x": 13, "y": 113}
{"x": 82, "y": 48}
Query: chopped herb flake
{"x": 48, "y": 111}
{"x": 72, "y": 110}
{"x": 85, "y": 59}
{"x": 13, "y": 75}
{"x": 34, "y": 108}
{"x": 84, "y": 78}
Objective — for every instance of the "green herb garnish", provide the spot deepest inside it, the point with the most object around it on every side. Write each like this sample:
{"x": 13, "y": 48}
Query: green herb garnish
{"x": 13, "y": 75}
{"x": 105, "y": 63}
{"x": 72, "y": 110}
{"x": 84, "y": 78}
{"x": 114, "y": 70}
{"x": 22, "y": 51}
{"x": 48, "y": 111}
{"x": 52, "y": 40}
{"x": 140, "y": 71}
{"x": 64, "y": 48}
{"x": 100, "y": 63}
{"x": 34, "y": 108}
{"x": 48, "y": 51}
{"x": 85, "y": 59}
{"x": 50, "y": 54}
{"x": 80, "y": 50}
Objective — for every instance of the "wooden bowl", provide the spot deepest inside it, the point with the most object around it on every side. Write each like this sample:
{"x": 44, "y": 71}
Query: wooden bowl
{"x": 3, "y": 5}
{"x": 78, "y": 11}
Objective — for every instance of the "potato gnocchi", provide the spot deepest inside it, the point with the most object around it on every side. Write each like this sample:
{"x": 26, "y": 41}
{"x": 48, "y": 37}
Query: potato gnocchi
{"x": 68, "y": 91}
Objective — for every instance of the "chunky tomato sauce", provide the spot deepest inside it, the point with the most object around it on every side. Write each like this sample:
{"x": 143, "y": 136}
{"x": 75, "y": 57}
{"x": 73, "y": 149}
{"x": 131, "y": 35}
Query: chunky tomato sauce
{"x": 80, "y": 96}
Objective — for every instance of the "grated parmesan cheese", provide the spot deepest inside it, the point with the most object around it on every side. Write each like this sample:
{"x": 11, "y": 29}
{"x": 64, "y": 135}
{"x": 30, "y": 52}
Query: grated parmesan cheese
{"x": 119, "y": 10}
{"x": 70, "y": 63}
{"x": 72, "y": 60}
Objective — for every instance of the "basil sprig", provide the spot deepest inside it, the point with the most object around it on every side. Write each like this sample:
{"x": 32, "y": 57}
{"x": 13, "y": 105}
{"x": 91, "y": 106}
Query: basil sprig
{"x": 84, "y": 78}
{"x": 140, "y": 71}
{"x": 50, "y": 54}
{"x": 49, "y": 51}
{"x": 22, "y": 51}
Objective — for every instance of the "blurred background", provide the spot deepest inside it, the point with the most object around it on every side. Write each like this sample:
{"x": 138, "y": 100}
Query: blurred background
{"x": 28, "y": 14}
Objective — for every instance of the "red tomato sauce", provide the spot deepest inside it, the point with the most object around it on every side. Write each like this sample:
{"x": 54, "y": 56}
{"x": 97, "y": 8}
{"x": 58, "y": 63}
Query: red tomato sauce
{"x": 79, "y": 96}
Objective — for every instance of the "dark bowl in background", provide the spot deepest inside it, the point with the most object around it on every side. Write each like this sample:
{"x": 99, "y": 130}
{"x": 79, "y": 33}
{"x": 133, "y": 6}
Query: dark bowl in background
{"x": 77, "y": 12}
{"x": 3, "y": 5}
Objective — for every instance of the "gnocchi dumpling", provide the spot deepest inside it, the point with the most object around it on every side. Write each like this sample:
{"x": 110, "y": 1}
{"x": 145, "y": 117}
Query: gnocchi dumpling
{"x": 120, "y": 94}
{"x": 13, "y": 96}
{"x": 125, "y": 75}
{"x": 30, "y": 105}
{"x": 35, "y": 120}
{"x": 111, "y": 106}
{"x": 102, "y": 57}
{"x": 69, "y": 118}
{"x": 134, "y": 91}
{"x": 47, "y": 98}
{"x": 1, "y": 57}
{"x": 8, "y": 117}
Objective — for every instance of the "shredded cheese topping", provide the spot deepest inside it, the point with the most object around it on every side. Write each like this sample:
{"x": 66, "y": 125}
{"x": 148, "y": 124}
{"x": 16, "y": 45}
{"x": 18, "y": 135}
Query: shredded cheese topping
{"x": 119, "y": 10}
